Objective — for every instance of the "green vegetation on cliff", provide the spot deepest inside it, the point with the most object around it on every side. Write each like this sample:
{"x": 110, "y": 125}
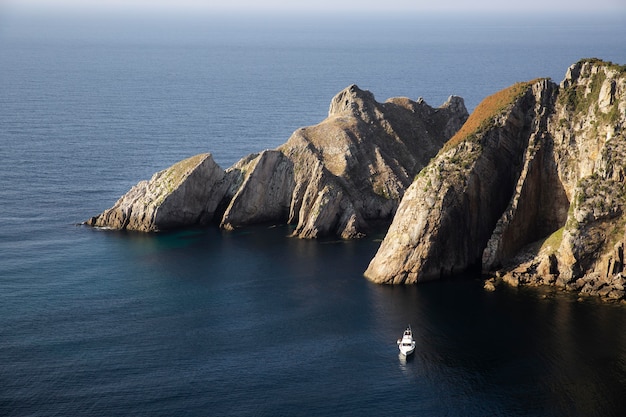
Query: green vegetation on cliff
{"x": 608, "y": 64}
{"x": 583, "y": 98}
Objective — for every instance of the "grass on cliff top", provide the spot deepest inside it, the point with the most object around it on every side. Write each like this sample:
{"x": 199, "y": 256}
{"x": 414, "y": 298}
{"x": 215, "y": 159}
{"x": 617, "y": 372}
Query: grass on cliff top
{"x": 583, "y": 98}
{"x": 177, "y": 172}
{"x": 486, "y": 111}
{"x": 608, "y": 64}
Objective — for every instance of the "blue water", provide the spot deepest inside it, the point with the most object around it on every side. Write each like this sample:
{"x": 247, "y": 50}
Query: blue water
{"x": 205, "y": 322}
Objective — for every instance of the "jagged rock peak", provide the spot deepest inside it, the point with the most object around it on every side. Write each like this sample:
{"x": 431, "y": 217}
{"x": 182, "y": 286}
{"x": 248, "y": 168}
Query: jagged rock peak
{"x": 455, "y": 103}
{"x": 352, "y": 101}
{"x": 586, "y": 69}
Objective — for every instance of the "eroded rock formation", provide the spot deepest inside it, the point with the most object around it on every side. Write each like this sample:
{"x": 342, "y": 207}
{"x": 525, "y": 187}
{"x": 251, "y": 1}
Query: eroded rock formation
{"x": 531, "y": 187}
{"x": 333, "y": 178}
{"x": 188, "y": 192}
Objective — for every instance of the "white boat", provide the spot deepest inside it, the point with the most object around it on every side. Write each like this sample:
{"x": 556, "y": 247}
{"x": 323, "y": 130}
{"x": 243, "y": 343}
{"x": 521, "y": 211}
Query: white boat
{"x": 406, "y": 344}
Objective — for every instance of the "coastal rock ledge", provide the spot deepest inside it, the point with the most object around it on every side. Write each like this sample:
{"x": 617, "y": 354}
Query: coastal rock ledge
{"x": 531, "y": 191}
{"x": 335, "y": 178}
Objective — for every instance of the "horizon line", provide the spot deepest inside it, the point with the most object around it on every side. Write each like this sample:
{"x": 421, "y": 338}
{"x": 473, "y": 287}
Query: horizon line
{"x": 341, "y": 13}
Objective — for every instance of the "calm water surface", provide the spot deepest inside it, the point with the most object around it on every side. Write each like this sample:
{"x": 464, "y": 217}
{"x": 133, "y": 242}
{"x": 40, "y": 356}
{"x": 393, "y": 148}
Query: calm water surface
{"x": 205, "y": 322}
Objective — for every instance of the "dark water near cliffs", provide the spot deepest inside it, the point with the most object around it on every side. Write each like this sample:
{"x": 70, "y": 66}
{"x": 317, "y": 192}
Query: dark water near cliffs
{"x": 251, "y": 322}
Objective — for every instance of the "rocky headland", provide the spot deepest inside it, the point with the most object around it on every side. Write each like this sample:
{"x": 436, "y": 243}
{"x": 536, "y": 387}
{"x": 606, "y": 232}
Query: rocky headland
{"x": 335, "y": 178}
{"x": 531, "y": 191}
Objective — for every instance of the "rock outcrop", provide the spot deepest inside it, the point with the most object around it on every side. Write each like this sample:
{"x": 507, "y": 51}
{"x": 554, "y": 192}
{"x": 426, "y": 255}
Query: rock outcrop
{"x": 355, "y": 166}
{"x": 531, "y": 188}
{"x": 334, "y": 178}
{"x": 188, "y": 192}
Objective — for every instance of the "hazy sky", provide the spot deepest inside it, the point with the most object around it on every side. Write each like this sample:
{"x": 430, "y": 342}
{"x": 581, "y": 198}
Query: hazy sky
{"x": 360, "y": 6}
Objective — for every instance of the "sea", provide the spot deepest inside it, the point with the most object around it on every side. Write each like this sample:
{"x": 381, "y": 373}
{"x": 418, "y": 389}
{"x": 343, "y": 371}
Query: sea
{"x": 252, "y": 322}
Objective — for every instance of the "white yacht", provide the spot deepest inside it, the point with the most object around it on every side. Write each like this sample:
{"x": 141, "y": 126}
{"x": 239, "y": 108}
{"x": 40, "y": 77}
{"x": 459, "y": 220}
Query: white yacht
{"x": 406, "y": 344}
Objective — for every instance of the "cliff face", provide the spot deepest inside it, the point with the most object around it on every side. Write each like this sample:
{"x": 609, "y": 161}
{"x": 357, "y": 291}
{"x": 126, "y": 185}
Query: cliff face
{"x": 450, "y": 211}
{"x": 333, "y": 178}
{"x": 355, "y": 166}
{"x": 531, "y": 187}
{"x": 587, "y": 127}
{"x": 186, "y": 193}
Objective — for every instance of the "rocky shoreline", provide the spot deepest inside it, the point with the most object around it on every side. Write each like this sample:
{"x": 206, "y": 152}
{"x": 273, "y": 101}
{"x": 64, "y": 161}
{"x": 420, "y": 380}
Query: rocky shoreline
{"x": 530, "y": 189}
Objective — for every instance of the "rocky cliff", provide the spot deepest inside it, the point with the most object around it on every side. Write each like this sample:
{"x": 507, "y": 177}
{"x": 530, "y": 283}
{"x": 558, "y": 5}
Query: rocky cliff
{"x": 334, "y": 178}
{"x": 531, "y": 189}
{"x": 188, "y": 192}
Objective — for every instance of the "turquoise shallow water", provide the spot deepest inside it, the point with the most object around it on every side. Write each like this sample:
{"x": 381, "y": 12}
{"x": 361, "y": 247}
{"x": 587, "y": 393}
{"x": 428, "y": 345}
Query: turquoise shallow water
{"x": 252, "y": 322}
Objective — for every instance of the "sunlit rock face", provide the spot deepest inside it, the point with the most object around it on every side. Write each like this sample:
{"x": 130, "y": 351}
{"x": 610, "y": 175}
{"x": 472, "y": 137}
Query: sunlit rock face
{"x": 531, "y": 188}
{"x": 334, "y": 178}
{"x": 450, "y": 212}
{"x": 186, "y": 193}
{"x": 355, "y": 166}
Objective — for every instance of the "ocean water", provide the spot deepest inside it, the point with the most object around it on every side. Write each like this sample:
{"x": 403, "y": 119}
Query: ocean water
{"x": 251, "y": 322}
